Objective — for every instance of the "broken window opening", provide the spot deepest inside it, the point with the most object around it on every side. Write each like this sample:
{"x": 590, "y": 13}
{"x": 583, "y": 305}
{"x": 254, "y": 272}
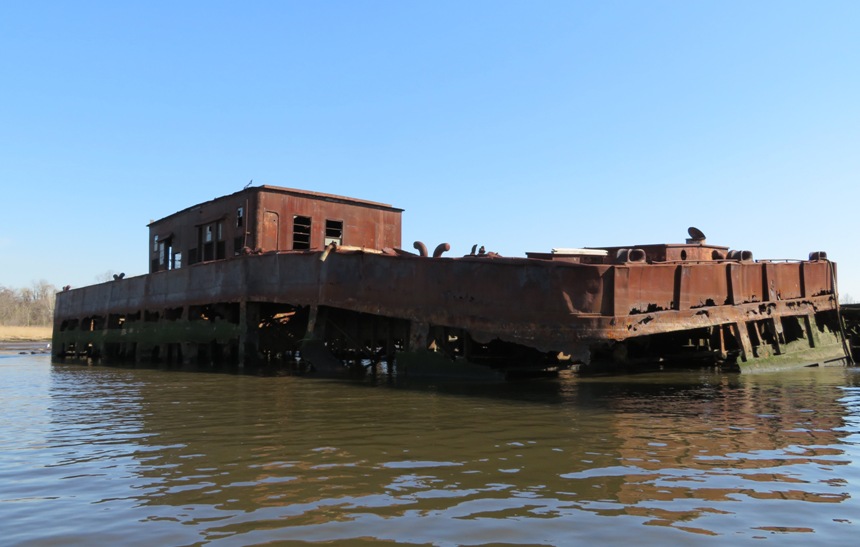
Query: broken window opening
{"x": 240, "y": 217}
{"x": 116, "y": 321}
{"x": 164, "y": 252}
{"x": 333, "y": 232}
{"x": 210, "y": 243}
{"x": 204, "y": 240}
{"x": 301, "y": 232}
{"x": 172, "y": 314}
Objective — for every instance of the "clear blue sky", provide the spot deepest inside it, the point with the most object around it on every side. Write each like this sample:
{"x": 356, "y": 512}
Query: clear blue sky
{"x": 520, "y": 126}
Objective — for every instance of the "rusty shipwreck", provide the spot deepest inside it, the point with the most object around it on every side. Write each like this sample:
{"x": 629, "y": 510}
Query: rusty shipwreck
{"x": 273, "y": 276}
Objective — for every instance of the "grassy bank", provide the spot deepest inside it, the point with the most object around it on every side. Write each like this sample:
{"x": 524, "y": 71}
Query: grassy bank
{"x": 24, "y": 334}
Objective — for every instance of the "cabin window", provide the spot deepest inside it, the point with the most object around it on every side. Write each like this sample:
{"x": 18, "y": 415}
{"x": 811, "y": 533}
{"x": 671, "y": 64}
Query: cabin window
{"x": 177, "y": 261}
{"x": 210, "y": 239}
{"x": 155, "y": 244}
{"x": 301, "y": 232}
{"x": 334, "y": 232}
{"x": 163, "y": 252}
{"x": 204, "y": 242}
{"x": 220, "y": 246}
{"x": 239, "y": 240}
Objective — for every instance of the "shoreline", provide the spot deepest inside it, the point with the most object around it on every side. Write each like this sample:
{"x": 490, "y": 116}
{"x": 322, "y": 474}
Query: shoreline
{"x": 14, "y": 335}
{"x": 32, "y": 347}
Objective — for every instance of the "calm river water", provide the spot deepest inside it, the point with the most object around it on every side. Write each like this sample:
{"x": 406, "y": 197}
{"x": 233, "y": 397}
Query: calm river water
{"x": 118, "y": 456}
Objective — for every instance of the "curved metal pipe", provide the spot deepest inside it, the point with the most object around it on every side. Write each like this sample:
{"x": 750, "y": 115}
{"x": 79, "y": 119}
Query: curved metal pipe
{"x": 328, "y": 248}
{"x": 422, "y": 249}
{"x": 441, "y": 248}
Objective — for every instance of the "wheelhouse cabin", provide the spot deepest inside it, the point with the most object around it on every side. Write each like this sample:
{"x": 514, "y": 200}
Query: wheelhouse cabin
{"x": 269, "y": 218}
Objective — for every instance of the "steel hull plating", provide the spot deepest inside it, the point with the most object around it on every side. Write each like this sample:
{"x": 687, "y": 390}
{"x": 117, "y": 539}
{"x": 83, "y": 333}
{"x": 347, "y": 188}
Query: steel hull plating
{"x": 362, "y": 308}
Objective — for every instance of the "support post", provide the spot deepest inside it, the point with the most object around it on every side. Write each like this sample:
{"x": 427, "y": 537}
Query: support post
{"x": 249, "y": 338}
{"x": 743, "y": 339}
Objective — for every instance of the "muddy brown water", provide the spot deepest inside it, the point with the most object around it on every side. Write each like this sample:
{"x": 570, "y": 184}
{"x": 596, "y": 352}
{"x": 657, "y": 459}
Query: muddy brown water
{"x": 140, "y": 456}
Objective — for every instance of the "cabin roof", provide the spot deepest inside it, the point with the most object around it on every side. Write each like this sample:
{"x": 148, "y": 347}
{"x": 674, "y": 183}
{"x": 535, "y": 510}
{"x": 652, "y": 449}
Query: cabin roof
{"x": 293, "y": 192}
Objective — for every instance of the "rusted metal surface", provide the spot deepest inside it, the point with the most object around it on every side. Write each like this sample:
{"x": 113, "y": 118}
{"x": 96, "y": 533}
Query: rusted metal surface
{"x": 553, "y": 307}
{"x": 264, "y": 218}
{"x": 363, "y": 296}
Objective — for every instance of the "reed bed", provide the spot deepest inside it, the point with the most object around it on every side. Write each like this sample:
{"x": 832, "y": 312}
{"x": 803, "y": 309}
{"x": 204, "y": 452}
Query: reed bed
{"x": 24, "y": 334}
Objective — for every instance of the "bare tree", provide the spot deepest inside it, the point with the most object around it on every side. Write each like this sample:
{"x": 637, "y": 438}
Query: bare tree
{"x": 8, "y": 305}
{"x": 30, "y": 306}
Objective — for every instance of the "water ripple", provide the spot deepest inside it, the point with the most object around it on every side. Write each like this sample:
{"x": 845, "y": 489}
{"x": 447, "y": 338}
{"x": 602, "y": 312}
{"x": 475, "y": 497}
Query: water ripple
{"x": 137, "y": 456}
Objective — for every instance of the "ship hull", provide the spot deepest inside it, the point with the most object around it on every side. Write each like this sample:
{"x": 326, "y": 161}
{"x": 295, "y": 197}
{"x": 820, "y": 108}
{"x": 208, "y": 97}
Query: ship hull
{"x": 359, "y": 309}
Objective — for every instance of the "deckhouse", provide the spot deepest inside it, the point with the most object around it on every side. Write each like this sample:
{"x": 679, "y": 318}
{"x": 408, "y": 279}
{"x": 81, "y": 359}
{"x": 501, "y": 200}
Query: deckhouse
{"x": 270, "y": 218}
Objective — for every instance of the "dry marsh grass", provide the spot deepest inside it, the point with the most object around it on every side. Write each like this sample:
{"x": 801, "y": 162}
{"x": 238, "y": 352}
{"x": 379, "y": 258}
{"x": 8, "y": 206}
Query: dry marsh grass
{"x": 24, "y": 334}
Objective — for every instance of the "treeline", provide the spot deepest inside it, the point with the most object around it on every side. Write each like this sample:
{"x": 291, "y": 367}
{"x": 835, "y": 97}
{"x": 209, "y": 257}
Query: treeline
{"x": 29, "y": 307}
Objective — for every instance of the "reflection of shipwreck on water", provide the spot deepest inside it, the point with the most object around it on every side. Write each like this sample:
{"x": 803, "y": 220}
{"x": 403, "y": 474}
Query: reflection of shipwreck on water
{"x": 273, "y": 275}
